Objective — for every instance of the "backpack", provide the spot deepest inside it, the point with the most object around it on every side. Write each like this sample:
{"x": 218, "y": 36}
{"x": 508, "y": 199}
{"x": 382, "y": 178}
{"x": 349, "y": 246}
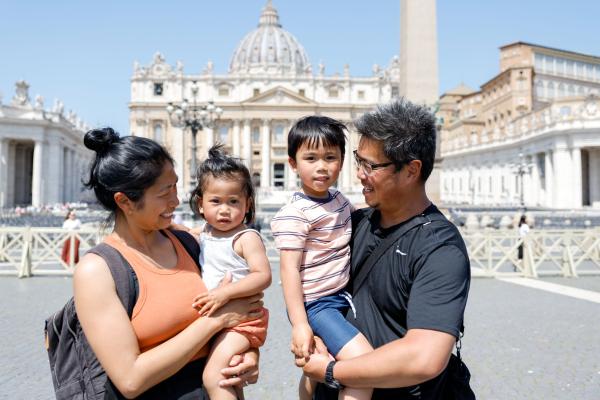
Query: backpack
{"x": 76, "y": 372}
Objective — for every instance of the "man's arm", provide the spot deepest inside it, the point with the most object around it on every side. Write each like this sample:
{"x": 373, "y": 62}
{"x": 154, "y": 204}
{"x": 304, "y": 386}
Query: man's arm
{"x": 419, "y": 356}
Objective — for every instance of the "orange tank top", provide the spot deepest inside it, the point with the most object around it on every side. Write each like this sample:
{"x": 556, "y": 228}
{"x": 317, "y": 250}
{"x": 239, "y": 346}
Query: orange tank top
{"x": 164, "y": 305}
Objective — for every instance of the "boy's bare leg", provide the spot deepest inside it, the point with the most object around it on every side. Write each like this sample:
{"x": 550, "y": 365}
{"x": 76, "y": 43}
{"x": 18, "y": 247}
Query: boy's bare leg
{"x": 357, "y": 346}
{"x": 226, "y": 346}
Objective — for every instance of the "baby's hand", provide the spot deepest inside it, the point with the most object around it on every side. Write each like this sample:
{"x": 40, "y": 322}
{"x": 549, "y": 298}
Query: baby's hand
{"x": 303, "y": 342}
{"x": 209, "y": 302}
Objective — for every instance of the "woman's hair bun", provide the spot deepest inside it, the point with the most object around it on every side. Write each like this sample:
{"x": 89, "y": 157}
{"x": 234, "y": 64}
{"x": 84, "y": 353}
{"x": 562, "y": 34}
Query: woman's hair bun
{"x": 100, "y": 140}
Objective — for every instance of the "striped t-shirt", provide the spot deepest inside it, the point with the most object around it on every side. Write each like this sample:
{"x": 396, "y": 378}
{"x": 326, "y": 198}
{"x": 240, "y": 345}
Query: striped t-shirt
{"x": 321, "y": 228}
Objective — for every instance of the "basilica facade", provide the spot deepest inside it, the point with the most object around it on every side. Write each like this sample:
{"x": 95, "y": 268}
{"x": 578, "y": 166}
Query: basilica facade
{"x": 270, "y": 83}
{"x": 42, "y": 157}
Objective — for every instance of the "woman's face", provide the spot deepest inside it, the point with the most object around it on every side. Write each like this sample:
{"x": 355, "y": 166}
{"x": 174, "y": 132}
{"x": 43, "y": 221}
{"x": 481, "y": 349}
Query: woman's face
{"x": 72, "y": 215}
{"x": 155, "y": 209}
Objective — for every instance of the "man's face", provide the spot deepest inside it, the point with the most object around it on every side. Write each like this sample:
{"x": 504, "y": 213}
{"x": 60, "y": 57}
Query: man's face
{"x": 382, "y": 188}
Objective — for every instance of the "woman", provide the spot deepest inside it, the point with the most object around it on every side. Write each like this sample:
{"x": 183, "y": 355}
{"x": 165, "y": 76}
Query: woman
{"x": 159, "y": 353}
{"x": 71, "y": 223}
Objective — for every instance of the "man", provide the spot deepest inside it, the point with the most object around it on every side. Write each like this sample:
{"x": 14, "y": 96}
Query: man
{"x": 410, "y": 302}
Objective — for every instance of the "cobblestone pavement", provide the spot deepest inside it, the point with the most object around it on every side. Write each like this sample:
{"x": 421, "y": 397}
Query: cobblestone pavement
{"x": 520, "y": 343}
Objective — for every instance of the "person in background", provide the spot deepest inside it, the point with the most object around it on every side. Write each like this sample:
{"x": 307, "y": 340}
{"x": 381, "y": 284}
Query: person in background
{"x": 71, "y": 223}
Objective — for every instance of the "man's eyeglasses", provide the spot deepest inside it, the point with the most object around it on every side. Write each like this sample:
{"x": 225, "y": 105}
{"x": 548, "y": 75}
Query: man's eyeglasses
{"x": 368, "y": 167}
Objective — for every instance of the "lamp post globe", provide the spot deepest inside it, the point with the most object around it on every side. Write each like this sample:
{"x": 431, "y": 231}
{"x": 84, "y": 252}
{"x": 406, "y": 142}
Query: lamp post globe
{"x": 193, "y": 117}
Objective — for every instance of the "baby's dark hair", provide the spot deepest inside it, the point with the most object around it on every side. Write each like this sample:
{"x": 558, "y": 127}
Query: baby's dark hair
{"x": 222, "y": 166}
{"x": 315, "y": 130}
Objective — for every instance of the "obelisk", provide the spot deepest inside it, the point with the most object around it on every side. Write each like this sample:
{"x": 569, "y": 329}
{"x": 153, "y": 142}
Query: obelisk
{"x": 419, "y": 80}
{"x": 418, "y": 51}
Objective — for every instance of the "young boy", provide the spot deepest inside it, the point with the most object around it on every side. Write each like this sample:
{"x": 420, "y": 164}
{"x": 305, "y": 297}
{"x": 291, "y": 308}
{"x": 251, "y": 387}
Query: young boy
{"x": 312, "y": 233}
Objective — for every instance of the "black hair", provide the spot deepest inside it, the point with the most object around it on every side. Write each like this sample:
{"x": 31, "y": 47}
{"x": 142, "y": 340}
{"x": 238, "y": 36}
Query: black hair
{"x": 407, "y": 131}
{"x": 220, "y": 165}
{"x": 129, "y": 165}
{"x": 522, "y": 220}
{"x": 314, "y": 130}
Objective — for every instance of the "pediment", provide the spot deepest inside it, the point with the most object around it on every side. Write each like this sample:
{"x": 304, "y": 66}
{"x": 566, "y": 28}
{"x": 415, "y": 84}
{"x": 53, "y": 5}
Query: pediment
{"x": 278, "y": 96}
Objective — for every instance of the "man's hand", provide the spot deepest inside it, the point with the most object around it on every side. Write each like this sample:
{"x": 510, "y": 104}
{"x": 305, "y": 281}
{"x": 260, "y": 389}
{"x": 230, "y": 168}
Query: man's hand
{"x": 209, "y": 302}
{"x": 303, "y": 342}
{"x": 314, "y": 367}
{"x": 242, "y": 370}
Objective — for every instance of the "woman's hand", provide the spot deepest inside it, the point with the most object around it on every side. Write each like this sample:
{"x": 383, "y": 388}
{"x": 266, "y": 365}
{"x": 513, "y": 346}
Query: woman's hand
{"x": 242, "y": 370}
{"x": 240, "y": 310}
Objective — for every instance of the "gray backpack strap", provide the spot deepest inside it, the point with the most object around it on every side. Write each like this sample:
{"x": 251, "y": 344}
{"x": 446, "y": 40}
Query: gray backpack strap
{"x": 122, "y": 273}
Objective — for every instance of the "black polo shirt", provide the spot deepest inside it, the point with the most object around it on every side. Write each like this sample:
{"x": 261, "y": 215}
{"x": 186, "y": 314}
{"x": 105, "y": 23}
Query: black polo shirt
{"x": 422, "y": 281}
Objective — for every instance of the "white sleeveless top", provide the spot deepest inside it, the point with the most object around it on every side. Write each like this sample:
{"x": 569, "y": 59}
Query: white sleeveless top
{"x": 218, "y": 257}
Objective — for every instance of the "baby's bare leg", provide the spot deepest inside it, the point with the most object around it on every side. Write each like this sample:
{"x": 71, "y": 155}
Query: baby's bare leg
{"x": 226, "y": 346}
{"x": 306, "y": 388}
{"x": 357, "y": 346}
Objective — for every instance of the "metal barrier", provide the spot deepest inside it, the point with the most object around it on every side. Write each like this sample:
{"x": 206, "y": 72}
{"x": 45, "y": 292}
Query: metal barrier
{"x": 567, "y": 253}
{"x": 27, "y": 251}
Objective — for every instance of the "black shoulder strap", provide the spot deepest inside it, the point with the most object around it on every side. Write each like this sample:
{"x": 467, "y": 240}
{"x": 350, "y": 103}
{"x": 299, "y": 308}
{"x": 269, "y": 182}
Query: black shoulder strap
{"x": 364, "y": 269}
{"x": 122, "y": 273}
{"x": 189, "y": 243}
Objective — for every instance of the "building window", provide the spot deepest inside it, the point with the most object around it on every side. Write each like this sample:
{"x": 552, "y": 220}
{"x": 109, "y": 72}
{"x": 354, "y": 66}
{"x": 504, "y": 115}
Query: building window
{"x": 278, "y": 174}
{"x": 334, "y": 92}
{"x": 158, "y": 132}
{"x": 395, "y": 91}
{"x": 158, "y": 89}
{"x": 256, "y": 153}
{"x": 223, "y": 91}
{"x": 302, "y": 92}
{"x": 361, "y": 94}
{"x": 256, "y": 135}
{"x": 278, "y": 133}
{"x": 256, "y": 92}
{"x": 223, "y": 134}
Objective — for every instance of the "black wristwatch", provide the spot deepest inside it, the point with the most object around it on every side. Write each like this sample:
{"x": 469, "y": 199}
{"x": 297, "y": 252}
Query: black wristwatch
{"x": 330, "y": 381}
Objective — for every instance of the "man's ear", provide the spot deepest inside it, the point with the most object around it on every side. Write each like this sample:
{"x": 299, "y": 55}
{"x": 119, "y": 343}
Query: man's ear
{"x": 413, "y": 169}
{"x": 124, "y": 203}
{"x": 292, "y": 163}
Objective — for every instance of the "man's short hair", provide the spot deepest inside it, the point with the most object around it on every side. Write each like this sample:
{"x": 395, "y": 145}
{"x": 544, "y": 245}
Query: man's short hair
{"x": 407, "y": 131}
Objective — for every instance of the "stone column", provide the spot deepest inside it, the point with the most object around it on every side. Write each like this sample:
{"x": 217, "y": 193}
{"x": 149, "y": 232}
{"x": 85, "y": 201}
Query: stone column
{"x": 265, "y": 176}
{"x": 594, "y": 178}
{"x": 237, "y": 150}
{"x": 37, "y": 181}
{"x": 3, "y": 173}
{"x": 563, "y": 176}
{"x": 209, "y": 140}
{"x": 54, "y": 173}
{"x": 246, "y": 138}
{"x": 346, "y": 175}
{"x": 576, "y": 190}
{"x": 549, "y": 179}
{"x": 180, "y": 162}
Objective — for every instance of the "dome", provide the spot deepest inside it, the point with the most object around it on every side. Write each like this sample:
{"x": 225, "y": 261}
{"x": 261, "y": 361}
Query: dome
{"x": 269, "y": 49}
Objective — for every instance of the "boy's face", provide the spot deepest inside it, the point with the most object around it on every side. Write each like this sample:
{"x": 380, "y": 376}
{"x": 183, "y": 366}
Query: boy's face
{"x": 318, "y": 168}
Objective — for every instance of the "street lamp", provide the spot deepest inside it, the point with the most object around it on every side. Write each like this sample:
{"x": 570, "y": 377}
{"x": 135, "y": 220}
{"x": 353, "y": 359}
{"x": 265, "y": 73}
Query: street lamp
{"x": 521, "y": 169}
{"x": 195, "y": 117}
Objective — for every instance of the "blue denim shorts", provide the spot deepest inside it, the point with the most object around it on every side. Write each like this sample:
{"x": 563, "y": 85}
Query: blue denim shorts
{"x": 326, "y": 317}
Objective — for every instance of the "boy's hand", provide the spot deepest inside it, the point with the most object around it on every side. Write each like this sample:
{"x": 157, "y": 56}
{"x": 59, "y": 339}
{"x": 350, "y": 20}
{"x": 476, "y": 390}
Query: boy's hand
{"x": 303, "y": 342}
{"x": 209, "y": 302}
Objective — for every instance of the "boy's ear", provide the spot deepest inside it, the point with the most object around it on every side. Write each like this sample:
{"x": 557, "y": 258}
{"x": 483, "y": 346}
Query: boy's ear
{"x": 292, "y": 163}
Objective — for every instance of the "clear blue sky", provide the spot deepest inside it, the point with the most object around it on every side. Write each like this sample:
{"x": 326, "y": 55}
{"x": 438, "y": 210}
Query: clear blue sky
{"x": 82, "y": 52}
